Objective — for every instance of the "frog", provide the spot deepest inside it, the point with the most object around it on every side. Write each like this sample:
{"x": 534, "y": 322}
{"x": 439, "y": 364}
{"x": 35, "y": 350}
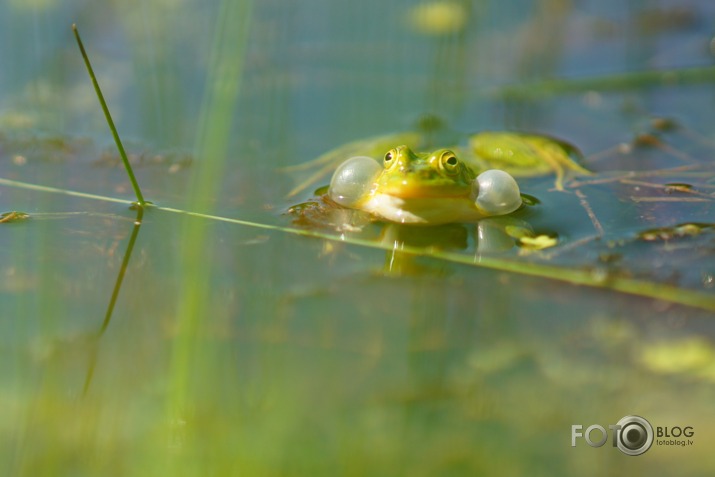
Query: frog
{"x": 430, "y": 188}
{"x": 436, "y": 187}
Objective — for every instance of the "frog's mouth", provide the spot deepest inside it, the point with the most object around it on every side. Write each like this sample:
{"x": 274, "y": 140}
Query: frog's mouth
{"x": 440, "y": 209}
{"x": 411, "y": 190}
{"x": 407, "y": 191}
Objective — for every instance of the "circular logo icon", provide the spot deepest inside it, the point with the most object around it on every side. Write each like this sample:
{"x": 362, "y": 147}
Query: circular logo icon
{"x": 635, "y": 435}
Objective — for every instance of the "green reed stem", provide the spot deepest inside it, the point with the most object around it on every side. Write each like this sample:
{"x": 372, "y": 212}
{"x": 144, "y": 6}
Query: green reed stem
{"x": 140, "y": 198}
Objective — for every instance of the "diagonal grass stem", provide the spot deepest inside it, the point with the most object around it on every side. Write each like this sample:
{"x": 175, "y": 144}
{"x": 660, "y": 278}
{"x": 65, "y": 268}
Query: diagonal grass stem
{"x": 140, "y": 198}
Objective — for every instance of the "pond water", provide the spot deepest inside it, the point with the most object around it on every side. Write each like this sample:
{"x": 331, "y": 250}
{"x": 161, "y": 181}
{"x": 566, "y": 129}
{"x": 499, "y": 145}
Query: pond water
{"x": 227, "y": 335}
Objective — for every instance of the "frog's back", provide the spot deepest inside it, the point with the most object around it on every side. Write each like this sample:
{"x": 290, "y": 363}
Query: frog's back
{"x": 523, "y": 155}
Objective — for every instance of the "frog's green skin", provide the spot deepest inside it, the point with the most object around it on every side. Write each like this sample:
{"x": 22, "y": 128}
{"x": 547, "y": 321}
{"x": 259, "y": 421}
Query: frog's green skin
{"x": 429, "y": 188}
{"x": 519, "y": 154}
{"x": 426, "y": 189}
{"x": 525, "y": 155}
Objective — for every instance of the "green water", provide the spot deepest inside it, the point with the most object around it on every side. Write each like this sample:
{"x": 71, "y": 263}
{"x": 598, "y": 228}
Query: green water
{"x": 256, "y": 342}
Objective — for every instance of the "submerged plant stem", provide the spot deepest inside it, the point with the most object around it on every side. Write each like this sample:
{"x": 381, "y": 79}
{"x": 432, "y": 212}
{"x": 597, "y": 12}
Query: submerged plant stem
{"x": 140, "y": 198}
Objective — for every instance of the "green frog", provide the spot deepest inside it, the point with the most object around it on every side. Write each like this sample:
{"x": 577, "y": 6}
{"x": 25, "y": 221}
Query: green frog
{"x": 427, "y": 189}
{"x": 442, "y": 186}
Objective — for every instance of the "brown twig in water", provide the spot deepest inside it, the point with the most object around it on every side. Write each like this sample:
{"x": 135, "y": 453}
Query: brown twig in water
{"x": 570, "y": 246}
{"x": 668, "y": 199}
{"x": 634, "y": 174}
{"x": 591, "y": 215}
{"x": 666, "y": 187}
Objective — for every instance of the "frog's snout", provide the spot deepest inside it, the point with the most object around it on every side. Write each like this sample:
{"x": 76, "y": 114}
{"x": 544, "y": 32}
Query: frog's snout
{"x": 419, "y": 171}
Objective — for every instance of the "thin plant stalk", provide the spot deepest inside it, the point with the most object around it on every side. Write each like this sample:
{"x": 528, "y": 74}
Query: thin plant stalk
{"x": 140, "y": 197}
{"x": 213, "y": 139}
{"x": 113, "y": 298}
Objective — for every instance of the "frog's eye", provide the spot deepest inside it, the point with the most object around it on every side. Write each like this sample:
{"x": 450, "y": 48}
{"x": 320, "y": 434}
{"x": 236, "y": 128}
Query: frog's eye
{"x": 449, "y": 163}
{"x": 390, "y": 158}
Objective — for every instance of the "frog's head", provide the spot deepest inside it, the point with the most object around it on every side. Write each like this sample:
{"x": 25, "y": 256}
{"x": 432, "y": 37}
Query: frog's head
{"x": 438, "y": 174}
{"x": 431, "y": 188}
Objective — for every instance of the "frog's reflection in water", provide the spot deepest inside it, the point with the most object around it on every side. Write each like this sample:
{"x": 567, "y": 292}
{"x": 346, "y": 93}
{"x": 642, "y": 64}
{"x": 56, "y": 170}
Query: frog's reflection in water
{"x": 487, "y": 237}
{"x": 409, "y": 247}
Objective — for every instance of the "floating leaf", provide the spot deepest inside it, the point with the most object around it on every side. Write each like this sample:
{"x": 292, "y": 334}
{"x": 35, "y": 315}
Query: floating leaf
{"x": 9, "y": 217}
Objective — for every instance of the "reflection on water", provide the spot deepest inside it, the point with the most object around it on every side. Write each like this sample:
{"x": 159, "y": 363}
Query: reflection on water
{"x": 115, "y": 294}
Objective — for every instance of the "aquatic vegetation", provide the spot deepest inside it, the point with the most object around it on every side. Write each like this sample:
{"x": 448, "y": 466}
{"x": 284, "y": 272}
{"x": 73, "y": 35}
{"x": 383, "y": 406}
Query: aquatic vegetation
{"x": 438, "y": 17}
{"x": 14, "y": 216}
{"x": 110, "y": 122}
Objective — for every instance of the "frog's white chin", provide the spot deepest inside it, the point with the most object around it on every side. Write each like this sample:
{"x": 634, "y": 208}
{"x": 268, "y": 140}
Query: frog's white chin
{"x": 427, "y": 211}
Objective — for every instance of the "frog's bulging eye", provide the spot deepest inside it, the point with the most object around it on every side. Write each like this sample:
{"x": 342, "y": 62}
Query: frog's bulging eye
{"x": 449, "y": 163}
{"x": 389, "y": 158}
